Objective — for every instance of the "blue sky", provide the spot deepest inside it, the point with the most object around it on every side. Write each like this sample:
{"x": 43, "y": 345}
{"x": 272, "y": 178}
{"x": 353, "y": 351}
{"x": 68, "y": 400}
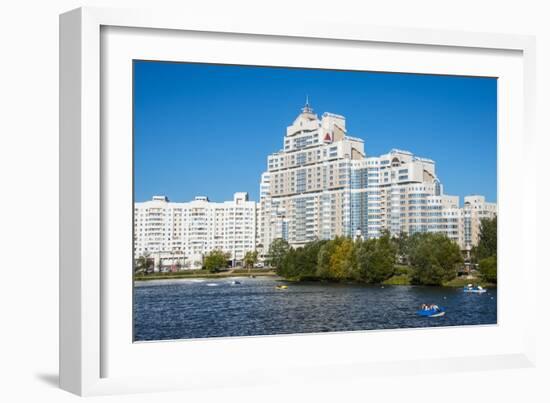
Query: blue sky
{"x": 203, "y": 129}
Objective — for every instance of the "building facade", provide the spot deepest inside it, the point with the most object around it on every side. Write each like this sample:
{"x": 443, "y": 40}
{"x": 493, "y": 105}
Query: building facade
{"x": 475, "y": 209}
{"x": 305, "y": 192}
{"x": 186, "y": 231}
{"x": 321, "y": 185}
{"x": 400, "y": 193}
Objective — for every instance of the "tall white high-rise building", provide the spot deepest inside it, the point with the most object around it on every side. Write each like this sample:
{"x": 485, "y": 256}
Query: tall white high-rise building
{"x": 305, "y": 192}
{"x": 189, "y": 230}
{"x": 321, "y": 185}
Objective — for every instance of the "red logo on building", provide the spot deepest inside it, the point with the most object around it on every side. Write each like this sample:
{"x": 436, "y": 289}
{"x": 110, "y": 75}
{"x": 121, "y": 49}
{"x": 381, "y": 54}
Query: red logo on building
{"x": 327, "y": 138}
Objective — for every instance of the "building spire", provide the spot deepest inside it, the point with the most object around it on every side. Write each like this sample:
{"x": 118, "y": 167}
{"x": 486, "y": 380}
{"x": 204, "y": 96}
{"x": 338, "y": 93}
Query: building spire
{"x": 307, "y": 108}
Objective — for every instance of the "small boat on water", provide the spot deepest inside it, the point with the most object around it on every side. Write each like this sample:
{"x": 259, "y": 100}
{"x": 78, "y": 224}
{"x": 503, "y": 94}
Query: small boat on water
{"x": 281, "y": 287}
{"x": 235, "y": 282}
{"x": 472, "y": 289}
{"x": 435, "y": 312}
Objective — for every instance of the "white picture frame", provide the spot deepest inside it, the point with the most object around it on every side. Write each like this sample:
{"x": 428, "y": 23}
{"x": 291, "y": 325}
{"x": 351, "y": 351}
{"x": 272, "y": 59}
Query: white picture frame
{"x": 90, "y": 323}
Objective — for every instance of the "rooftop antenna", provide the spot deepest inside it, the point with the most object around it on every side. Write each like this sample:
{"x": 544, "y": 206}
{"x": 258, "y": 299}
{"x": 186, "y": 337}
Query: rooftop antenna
{"x": 307, "y": 108}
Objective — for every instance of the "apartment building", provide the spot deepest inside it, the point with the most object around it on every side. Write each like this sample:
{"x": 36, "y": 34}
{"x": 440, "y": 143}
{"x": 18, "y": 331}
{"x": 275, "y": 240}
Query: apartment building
{"x": 475, "y": 209}
{"x": 189, "y": 230}
{"x": 321, "y": 184}
{"x": 401, "y": 193}
{"x": 304, "y": 194}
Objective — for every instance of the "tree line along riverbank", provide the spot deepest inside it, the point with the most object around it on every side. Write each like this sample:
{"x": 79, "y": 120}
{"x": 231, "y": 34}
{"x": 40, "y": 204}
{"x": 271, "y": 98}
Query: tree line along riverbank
{"x": 421, "y": 259}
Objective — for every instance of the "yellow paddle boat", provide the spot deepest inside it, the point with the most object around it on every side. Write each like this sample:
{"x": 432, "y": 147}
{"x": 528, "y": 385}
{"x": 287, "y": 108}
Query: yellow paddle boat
{"x": 281, "y": 287}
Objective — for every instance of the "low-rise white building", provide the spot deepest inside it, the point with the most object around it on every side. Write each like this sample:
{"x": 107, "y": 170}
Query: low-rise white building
{"x": 186, "y": 231}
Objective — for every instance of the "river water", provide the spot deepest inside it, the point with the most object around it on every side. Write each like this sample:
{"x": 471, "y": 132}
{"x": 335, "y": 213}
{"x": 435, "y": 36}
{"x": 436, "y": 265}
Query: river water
{"x": 197, "y": 308}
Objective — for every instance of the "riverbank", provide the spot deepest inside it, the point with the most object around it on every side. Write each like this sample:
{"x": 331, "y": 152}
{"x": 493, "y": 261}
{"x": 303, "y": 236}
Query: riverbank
{"x": 204, "y": 274}
{"x": 464, "y": 281}
{"x": 400, "y": 279}
{"x": 403, "y": 276}
{"x": 458, "y": 282}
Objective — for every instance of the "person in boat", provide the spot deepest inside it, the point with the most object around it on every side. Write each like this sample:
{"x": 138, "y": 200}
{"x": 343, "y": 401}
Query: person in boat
{"x": 435, "y": 307}
{"x": 424, "y": 307}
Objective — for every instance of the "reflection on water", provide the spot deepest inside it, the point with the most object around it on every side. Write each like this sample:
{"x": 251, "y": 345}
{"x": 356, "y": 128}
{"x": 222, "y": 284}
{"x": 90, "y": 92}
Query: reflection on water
{"x": 196, "y": 308}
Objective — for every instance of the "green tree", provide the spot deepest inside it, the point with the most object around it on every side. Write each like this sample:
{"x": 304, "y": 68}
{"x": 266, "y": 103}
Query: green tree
{"x": 364, "y": 251}
{"x": 215, "y": 261}
{"x": 310, "y": 257}
{"x": 342, "y": 260}
{"x": 142, "y": 264}
{"x": 277, "y": 252}
{"x": 487, "y": 245}
{"x": 486, "y": 250}
{"x": 375, "y": 259}
{"x": 434, "y": 259}
{"x": 401, "y": 244}
{"x": 488, "y": 269}
{"x": 301, "y": 263}
{"x": 289, "y": 266}
{"x": 324, "y": 258}
{"x": 250, "y": 258}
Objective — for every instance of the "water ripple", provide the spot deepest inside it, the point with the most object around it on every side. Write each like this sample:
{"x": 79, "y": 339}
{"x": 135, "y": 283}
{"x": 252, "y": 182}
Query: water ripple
{"x": 183, "y": 309}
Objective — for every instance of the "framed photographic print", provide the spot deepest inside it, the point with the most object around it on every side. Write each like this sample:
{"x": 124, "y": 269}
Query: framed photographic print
{"x": 317, "y": 234}
{"x": 236, "y": 199}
